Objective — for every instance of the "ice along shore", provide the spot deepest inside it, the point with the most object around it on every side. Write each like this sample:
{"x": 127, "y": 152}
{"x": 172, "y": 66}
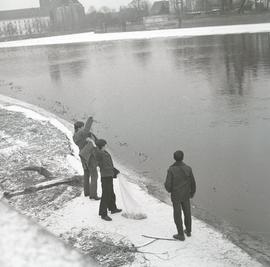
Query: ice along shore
{"x": 88, "y": 37}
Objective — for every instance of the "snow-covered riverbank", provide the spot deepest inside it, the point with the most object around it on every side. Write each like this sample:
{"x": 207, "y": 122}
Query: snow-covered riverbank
{"x": 185, "y": 32}
{"x": 79, "y": 219}
{"x": 24, "y": 243}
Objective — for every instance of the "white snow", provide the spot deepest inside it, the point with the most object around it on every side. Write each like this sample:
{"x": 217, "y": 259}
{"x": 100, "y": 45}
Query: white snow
{"x": 29, "y": 113}
{"x": 184, "y": 32}
{"x": 206, "y": 247}
{"x": 9, "y": 144}
{"x": 24, "y": 243}
{"x": 8, "y": 151}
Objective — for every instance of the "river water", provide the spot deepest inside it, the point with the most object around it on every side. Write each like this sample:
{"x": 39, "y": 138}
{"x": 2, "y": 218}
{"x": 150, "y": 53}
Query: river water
{"x": 208, "y": 96}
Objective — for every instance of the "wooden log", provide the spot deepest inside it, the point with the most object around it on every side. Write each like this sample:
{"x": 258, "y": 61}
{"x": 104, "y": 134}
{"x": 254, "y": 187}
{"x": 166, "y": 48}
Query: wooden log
{"x": 40, "y": 170}
{"x": 42, "y": 186}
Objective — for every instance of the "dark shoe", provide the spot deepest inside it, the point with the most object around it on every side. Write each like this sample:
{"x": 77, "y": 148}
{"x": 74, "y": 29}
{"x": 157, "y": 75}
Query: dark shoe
{"x": 115, "y": 211}
{"x": 86, "y": 195}
{"x": 106, "y": 218}
{"x": 95, "y": 198}
{"x": 187, "y": 233}
{"x": 179, "y": 237}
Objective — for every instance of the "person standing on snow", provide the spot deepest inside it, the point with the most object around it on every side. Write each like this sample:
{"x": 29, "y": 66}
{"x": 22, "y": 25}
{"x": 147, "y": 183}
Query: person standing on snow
{"x": 181, "y": 184}
{"x": 107, "y": 172}
{"x": 83, "y": 139}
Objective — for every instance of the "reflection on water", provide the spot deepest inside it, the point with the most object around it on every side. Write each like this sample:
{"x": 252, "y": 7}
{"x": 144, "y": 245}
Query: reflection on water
{"x": 206, "y": 95}
{"x": 55, "y": 73}
{"x": 57, "y": 61}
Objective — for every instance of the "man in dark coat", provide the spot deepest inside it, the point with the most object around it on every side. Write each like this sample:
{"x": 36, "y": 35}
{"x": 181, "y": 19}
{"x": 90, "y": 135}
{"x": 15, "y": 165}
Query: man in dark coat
{"x": 107, "y": 173}
{"x": 181, "y": 184}
{"x": 83, "y": 139}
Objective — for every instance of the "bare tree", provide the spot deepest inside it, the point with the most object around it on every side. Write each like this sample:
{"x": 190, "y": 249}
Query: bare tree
{"x": 91, "y": 9}
{"x": 205, "y": 5}
{"x": 230, "y": 4}
{"x": 226, "y": 5}
{"x": 242, "y": 5}
{"x": 136, "y": 4}
{"x": 178, "y": 7}
{"x": 105, "y": 9}
{"x": 140, "y": 5}
{"x": 223, "y": 5}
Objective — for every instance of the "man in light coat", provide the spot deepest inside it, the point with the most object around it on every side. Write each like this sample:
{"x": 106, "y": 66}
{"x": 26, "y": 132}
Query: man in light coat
{"x": 83, "y": 138}
{"x": 181, "y": 184}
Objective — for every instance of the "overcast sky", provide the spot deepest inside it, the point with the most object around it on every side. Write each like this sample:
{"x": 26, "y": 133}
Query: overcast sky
{"x": 16, "y": 4}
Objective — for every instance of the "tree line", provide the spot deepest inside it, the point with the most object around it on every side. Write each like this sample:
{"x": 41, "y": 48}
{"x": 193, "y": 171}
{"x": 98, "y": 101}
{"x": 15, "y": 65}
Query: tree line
{"x": 106, "y": 19}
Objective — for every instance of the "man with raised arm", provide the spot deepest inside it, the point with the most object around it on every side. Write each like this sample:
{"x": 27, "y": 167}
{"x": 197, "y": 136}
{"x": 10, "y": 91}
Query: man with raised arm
{"x": 84, "y": 139}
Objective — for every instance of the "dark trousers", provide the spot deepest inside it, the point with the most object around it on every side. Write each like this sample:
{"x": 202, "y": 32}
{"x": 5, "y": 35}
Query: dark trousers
{"x": 108, "y": 197}
{"x": 89, "y": 170}
{"x": 178, "y": 206}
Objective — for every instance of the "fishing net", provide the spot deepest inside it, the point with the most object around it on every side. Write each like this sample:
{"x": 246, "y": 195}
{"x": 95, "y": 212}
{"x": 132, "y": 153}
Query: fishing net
{"x": 131, "y": 208}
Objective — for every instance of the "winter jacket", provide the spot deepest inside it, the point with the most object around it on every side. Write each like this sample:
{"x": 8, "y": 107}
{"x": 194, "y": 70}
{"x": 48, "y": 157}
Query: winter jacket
{"x": 105, "y": 163}
{"x": 80, "y": 136}
{"x": 89, "y": 152}
{"x": 180, "y": 182}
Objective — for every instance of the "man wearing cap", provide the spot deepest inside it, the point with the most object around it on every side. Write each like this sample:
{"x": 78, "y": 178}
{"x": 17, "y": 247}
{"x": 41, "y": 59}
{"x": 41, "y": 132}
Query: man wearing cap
{"x": 107, "y": 172}
{"x": 181, "y": 184}
{"x": 83, "y": 139}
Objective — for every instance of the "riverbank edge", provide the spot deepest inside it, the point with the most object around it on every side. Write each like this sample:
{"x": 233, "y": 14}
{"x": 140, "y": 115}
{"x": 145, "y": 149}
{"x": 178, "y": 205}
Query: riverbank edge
{"x": 7, "y": 101}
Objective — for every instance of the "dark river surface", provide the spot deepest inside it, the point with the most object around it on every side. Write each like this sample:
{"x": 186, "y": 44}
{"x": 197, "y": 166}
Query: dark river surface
{"x": 209, "y": 96}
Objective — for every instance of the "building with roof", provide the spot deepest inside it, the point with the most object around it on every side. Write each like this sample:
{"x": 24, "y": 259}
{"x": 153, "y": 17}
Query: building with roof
{"x": 24, "y": 22}
{"x": 52, "y": 15}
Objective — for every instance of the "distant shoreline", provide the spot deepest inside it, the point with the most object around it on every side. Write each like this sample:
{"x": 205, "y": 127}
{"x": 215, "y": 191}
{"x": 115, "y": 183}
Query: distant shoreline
{"x": 88, "y": 37}
{"x": 226, "y": 19}
{"x": 189, "y": 21}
